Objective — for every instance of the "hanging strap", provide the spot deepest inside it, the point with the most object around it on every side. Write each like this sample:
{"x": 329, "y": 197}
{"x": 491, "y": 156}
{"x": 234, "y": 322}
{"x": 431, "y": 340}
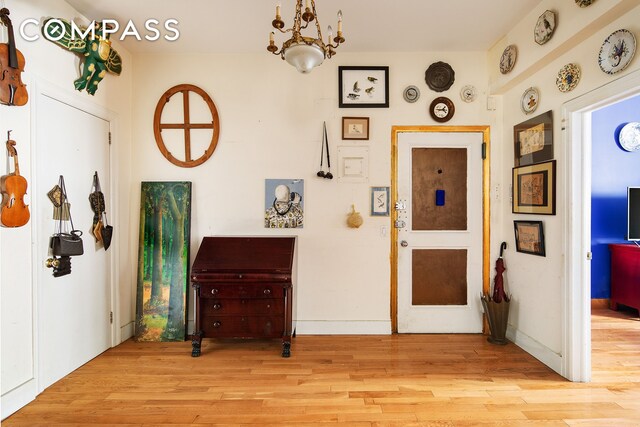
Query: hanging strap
{"x": 96, "y": 181}
{"x": 326, "y": 141}
{"x": 322, "y": 145}
{"x": 64, "y": 198}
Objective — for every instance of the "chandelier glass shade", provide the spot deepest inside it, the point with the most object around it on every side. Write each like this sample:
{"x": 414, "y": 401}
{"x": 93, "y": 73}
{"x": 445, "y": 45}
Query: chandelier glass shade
{"x": 305, "y": 52}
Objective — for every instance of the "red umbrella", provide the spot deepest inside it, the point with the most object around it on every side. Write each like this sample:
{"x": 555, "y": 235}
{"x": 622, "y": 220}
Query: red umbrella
{"x": 498, "y": 284}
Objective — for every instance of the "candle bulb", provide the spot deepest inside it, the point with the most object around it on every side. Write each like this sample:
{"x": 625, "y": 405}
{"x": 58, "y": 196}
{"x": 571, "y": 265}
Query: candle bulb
{"x": 278, "y": 9}
{"x": 271, "y": 37}
{"x": 330, "y": 31}
{"x": 307, "y": 4}
{"x": 339, "y": 21}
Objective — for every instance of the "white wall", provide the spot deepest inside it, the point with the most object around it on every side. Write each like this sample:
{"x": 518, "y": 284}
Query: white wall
{"x": 48, "y": 64}
{"x": 271, "y": 118}
{"x": 537, "y": 283}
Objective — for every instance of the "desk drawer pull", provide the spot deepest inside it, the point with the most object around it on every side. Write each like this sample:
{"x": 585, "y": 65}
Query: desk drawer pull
{"x": 267, "y": 291}
{"x": 214, "y": 291}
{"x": 217, "y": 324}
{"x": 217, "y": 306}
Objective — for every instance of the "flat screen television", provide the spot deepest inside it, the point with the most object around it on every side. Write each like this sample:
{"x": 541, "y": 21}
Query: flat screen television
{"x": 633, "y": 214}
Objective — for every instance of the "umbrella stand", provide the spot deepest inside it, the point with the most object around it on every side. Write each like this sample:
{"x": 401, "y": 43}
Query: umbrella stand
{"x": 498, "y": 315}
{"x": 497, "y": 307}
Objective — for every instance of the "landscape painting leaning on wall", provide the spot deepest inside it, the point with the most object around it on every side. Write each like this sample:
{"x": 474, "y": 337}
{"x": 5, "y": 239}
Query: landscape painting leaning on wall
{"x": 163, "y": 261}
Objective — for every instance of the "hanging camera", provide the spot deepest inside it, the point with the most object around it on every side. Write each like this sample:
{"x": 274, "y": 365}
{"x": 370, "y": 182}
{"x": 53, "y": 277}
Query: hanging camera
{"x": 325, "y": 142}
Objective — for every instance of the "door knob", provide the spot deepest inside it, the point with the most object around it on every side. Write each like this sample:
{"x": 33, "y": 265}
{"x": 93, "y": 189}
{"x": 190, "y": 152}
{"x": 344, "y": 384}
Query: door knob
{"x": 404, "y": 244}
{"x": 52, "y": 263}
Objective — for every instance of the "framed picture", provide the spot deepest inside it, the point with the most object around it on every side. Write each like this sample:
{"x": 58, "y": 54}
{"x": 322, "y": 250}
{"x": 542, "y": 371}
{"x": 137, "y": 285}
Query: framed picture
{"x": 355, "y": 128}
{"x": 534, "y": 189}
{"x": 363, "y": 87}
{"x": 533, "y": 140}
{"x": 529, "y": 237}
{"x": 283, "y": 203}
{"x": 163, "y": 261}
{"x": 379, "y": 201}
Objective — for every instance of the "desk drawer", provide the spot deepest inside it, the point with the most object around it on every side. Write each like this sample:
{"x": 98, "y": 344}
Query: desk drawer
{"x": 253, "y": 290}
{"x": 242, "y": 326}
{"x": 229, "y": 307}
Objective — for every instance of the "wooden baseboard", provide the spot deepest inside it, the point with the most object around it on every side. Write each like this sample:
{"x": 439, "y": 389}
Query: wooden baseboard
{"x": 599, "y": 303}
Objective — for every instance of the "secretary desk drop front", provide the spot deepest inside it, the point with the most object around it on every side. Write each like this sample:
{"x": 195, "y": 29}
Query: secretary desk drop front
{"x": 244, "y": 288}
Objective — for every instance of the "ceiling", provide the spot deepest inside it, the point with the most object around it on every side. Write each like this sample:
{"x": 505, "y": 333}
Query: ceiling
{"x": 226, "y": 26}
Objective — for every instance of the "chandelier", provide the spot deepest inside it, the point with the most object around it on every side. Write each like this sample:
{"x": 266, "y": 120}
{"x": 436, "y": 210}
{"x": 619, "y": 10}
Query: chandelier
{"x": 304, "y": 52}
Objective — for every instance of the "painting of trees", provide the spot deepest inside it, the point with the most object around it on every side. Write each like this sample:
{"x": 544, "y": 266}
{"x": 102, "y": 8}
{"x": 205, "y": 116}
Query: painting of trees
{"x": 163, "y": 261}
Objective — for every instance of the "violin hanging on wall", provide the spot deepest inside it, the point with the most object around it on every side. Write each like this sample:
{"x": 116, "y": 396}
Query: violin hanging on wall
{"x": 14, "y": 213}
{"x": 12, "y": 90}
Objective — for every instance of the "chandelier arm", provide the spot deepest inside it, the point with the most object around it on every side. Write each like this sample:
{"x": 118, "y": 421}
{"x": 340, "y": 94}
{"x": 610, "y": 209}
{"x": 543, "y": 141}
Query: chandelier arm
{"x": 313, "y": 6}
{"x": 288, "y": 30}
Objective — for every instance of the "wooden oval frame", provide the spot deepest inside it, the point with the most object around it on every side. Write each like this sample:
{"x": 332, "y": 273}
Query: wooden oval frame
{"x": 214, "y": 125}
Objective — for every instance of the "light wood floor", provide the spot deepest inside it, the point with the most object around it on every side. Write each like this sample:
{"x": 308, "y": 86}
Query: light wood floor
{"x": 399, "y": 380}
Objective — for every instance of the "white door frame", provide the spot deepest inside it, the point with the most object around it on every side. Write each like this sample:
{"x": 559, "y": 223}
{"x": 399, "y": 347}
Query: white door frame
{"x": 576, "y": 328}
{"x": 41, "y": 88}
{"x": 395, "y": 130}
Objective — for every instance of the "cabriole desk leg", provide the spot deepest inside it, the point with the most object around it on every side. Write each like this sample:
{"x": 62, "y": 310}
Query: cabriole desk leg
{"x": 196, "y": 341}
{"x": 286, "y": 347}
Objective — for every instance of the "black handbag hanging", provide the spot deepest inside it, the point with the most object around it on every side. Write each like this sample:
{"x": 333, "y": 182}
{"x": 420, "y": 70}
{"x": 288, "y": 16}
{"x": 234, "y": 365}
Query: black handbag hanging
{"x": 64, "y": 241}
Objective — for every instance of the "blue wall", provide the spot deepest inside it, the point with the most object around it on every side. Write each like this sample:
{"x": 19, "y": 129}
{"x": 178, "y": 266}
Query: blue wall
{"x": 612, "y": 171}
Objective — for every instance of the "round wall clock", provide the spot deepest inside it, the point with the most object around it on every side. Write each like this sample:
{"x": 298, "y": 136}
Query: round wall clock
{"x": 411, "y": 94}
{"x": 529, "y": 101}
{"x": 508, "y": 58}
{"x": 442, "y": 109}
{"x": 617, "y": 51}
{"x": 585, "y": 3}
{"x": 545, "y": 27}
{"x": 439, "y": 76}
{"x": 468, "y": 93}
{"x": 568, "y": 77}
{"x": 630, "y": 137}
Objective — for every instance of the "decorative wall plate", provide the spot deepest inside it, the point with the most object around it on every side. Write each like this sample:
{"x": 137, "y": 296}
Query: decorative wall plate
{"x": 411, "y": 94}
{"x": 617, "y": 51}
{"x": 442, "y": 109}
{"x": 439, "y": 76}
{"x": 584, "y": 3}
{"x": 630, "y": 136}
{"x": 568, "y": 77}
{"x": 545, "y": 27}
{"x": 529, "y": 101}
{"x": 468, "y": 93}
{"x": 508, "y": 58}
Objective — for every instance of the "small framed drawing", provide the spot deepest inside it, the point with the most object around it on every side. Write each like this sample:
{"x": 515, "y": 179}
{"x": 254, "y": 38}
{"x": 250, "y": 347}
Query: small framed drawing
{"x": 379, "y": 201}
{"x": 529, "y": 237}
{"x": 533, "y": 140}
{"x": 534, "y": 189}
{"x": 363, "y": 87}
{"x": 355, "y": 128}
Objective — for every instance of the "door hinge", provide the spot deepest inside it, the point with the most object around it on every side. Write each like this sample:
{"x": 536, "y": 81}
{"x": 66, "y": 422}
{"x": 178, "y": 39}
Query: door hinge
{"x": 589, "y": 255}
{"x": 484, "y": 150}
{"x": 111, "y": 317}
{"x": 109, "y": 138}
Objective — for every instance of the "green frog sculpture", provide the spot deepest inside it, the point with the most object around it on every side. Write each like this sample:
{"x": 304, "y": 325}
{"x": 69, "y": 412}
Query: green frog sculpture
{"x": 93, "y": 46}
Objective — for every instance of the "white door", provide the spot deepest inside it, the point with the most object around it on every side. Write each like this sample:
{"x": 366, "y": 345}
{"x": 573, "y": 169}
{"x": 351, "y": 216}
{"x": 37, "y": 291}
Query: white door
{"x": 73, "y": 310}
{"x": 440, "y": 246}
